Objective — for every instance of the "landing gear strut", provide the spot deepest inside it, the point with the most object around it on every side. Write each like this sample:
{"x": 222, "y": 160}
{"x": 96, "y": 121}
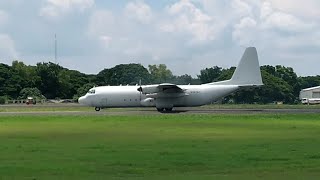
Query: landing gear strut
{"x": 97, "y": 108}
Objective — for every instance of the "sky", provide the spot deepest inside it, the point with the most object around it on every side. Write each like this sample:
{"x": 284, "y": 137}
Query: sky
{"x": 186, "y": 35}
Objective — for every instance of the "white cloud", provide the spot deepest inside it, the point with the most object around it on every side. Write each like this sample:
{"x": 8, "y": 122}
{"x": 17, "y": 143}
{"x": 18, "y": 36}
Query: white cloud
{"x": 139, "y": 11}
{"x": 245, "y": 31}
{"x": 241, "y": 8}
{"x": 274, "y": 19}
{"x": 266, "y": 10}
{"x": 3, "y": 17}
{"x": 187, "y": 35}
{"x": 7, "y": 48}
{"x": 56, "y": 8}
{"x": 186, "y": 18}
{"x": 298, "y": 41}
{"x": 105, "y": 40}
{"x": 305, "y": 8}
{"x": 285, "y": 22}
{"x": 183, "y": 31}
{"x": 102, "y": 24}
{"x": 116, "y": 36}
{"x": 270, "y": 23}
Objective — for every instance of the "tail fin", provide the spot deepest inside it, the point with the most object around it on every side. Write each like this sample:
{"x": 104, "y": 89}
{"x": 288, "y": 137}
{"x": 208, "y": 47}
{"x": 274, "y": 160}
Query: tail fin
{"x": 248, "y": 71}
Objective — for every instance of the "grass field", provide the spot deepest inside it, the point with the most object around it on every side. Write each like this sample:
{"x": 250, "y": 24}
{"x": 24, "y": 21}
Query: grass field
{"x": 43, "y": 107}
{"x": 164, "y": 146}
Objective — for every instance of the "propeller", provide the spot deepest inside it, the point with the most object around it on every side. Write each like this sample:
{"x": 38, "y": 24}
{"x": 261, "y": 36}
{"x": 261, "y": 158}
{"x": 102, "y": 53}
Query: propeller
{"x": 140, "y": 88}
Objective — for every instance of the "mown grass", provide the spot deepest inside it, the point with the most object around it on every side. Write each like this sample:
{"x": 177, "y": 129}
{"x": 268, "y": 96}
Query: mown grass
{"x": 160, "y": 146}
{"x": 43, "y": 107}
{"x": 59, "y": 108}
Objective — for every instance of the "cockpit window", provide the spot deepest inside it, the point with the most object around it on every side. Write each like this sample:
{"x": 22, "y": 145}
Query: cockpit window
{"x": 91, "y": 91}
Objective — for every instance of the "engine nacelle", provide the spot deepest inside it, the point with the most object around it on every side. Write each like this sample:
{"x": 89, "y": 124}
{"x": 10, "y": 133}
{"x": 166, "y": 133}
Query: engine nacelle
{"x": 149, "y": 89}
{"x": 148, "y": 102}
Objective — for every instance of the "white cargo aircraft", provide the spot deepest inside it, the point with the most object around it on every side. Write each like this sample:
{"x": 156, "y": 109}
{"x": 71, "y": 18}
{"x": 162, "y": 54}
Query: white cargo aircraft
{"x": 166, "y": 96}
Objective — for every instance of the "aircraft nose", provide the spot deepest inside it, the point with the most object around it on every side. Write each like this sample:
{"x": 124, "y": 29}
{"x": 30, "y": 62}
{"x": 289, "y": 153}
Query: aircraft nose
{"x": 81, "y": 100}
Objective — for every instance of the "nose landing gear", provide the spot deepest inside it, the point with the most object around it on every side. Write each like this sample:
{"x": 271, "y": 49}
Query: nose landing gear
{"x": 97, "y": 108}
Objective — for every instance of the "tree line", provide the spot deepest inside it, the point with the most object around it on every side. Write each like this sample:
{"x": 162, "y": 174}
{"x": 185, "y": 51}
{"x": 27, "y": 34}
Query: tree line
{"x": 47, "y": 80}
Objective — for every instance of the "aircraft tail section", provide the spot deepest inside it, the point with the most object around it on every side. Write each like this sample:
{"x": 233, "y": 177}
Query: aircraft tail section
{"x": 248, "y": 71}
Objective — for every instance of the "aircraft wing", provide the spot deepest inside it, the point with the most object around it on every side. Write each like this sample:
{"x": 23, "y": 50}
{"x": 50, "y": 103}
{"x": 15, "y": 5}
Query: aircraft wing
{"x": 169, "y": 88}
{"x": 162, "y": 90}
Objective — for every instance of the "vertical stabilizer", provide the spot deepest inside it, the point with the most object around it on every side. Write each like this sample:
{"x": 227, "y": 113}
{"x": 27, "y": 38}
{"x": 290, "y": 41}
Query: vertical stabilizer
{"x": 248, "y": 71}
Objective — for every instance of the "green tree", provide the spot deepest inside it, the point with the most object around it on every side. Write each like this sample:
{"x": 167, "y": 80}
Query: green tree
{"x": 4, "y": 76}
{"x": 277, "y": 86}
{"x": 65, "y": 85}
{"x": 3, "y": 99}
{"x": 208, "y": 75}
{"x": 49, "y": 79}
{"x": 183, "y": 79}
{"x": 288, "y": 75}
{"x": 309, "y": 81}
{"x": 281, "y": 83}
{"x": 16, "y": 80}
{"x": 30, "y": 92}
{"x": 160, "y": 73}
{"x": 69, "y": 82}
{"x": 124, "y": 74}
{"x": 21, "y": 76}
{"x": 226, "y": 74}
{"x": 274, "y": 89}
{"x": 83, "y": 90}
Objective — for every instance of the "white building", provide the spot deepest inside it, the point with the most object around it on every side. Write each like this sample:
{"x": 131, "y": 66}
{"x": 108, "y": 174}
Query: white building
{"x": 310, "y": 95}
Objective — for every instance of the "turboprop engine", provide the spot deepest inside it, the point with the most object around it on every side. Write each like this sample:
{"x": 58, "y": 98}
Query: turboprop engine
{"x": 149, "y": 89}
{"x": 148, "y": 102}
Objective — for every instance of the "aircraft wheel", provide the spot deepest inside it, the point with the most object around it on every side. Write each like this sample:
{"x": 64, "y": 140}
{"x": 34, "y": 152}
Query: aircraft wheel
{"x": 97, "y": 108}
{"x": 168, "y": 109}
{"x": 160, "y": 109}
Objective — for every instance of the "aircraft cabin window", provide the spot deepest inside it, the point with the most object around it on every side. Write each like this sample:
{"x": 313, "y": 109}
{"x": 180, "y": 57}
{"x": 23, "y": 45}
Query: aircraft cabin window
{"x": 91, "y": 91}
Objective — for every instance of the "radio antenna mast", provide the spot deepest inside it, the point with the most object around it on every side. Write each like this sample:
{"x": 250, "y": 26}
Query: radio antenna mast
{"x": 55, "y": 48}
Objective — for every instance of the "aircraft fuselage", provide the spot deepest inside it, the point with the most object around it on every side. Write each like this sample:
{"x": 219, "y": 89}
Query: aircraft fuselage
{"x": 129, "y": 96}
{"x": 165, "y": 96}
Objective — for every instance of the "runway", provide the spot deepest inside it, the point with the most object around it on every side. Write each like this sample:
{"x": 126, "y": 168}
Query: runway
{"x": 152, "y": 111}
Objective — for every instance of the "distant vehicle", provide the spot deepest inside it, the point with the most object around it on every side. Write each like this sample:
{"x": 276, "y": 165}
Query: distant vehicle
{"x": 166, "y": 96}
{"x": 30, "y": 100}
{"x": 310, "y": 101}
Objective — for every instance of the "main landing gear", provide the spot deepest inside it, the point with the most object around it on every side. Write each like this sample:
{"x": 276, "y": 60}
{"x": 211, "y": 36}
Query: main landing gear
{"x": 164, "y": 109}
{"x": 97, "y": 108}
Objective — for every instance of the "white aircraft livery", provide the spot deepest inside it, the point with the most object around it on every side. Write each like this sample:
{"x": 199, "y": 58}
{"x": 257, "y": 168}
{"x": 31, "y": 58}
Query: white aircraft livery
{"x": 166, "y": 96}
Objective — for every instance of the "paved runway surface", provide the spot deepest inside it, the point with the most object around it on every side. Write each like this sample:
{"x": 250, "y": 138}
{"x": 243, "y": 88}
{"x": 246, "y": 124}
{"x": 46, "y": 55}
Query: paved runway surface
{"x": 152, "y": 111}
